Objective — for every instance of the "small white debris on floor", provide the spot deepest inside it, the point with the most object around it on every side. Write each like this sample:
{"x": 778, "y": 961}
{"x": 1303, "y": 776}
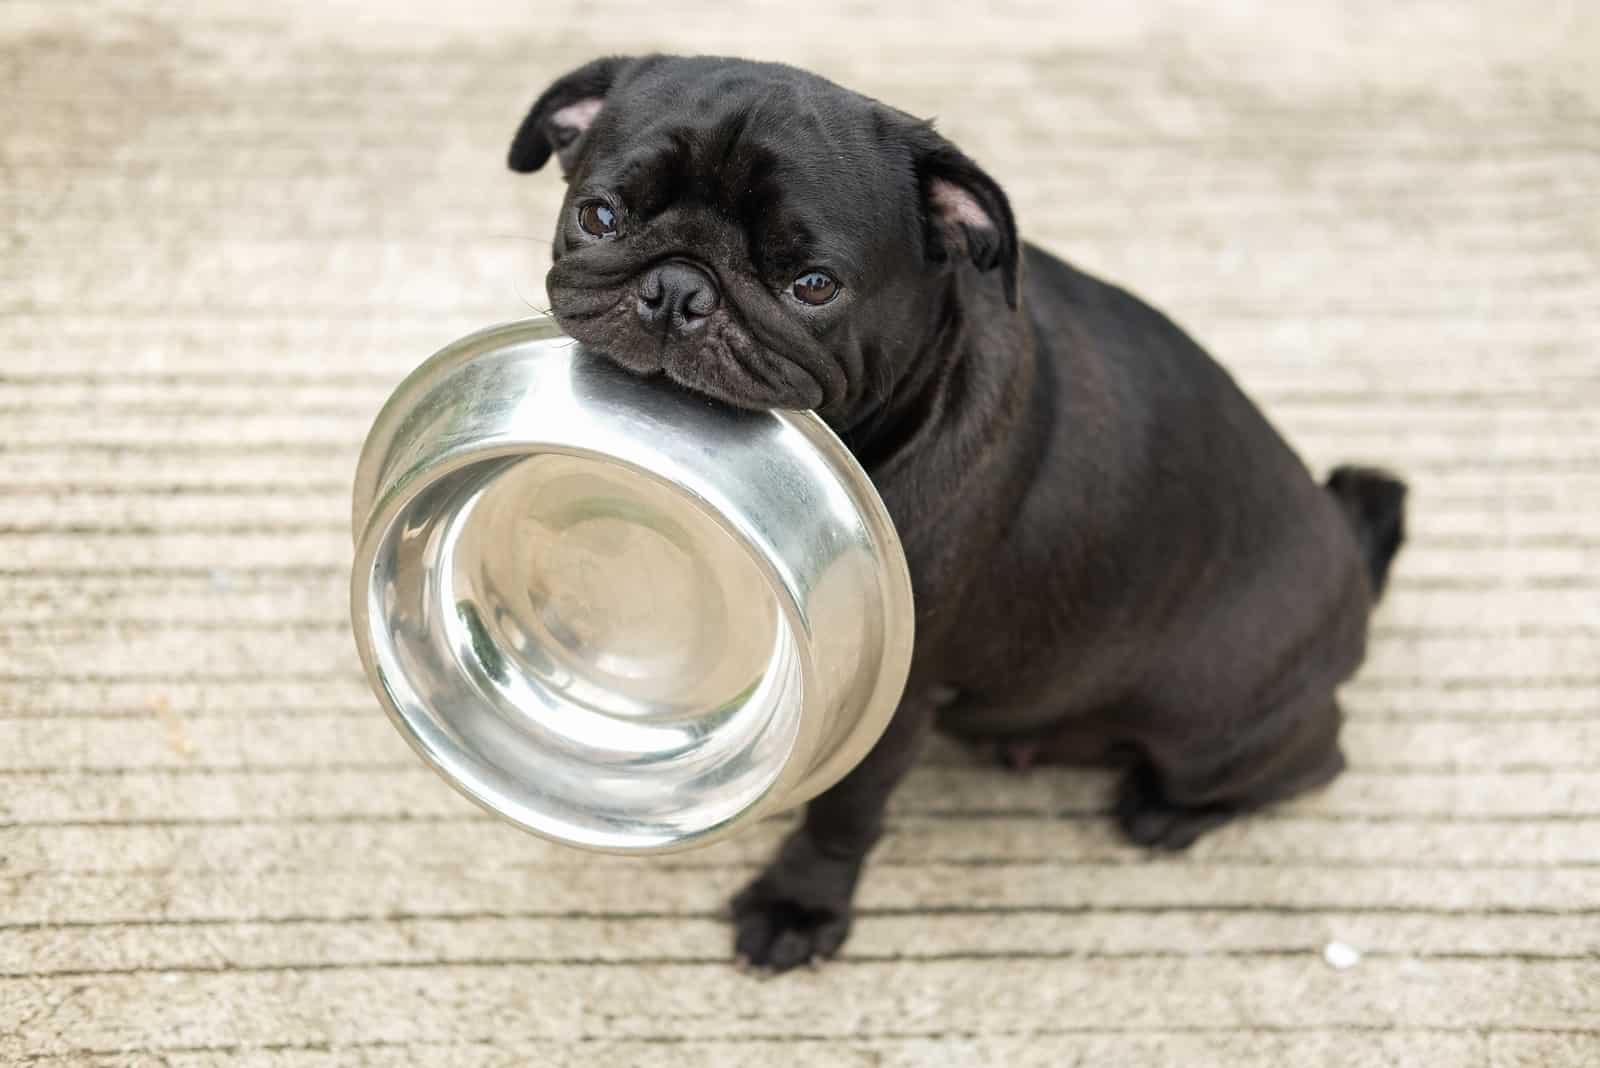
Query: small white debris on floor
{"x": 1340, "y": 956}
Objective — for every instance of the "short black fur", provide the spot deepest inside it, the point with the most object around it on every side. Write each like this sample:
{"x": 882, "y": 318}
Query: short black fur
{"x": 1115, "y": 556}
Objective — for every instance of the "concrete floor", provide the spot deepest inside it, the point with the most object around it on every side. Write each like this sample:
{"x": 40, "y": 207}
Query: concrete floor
{"x": 228, "y": 232}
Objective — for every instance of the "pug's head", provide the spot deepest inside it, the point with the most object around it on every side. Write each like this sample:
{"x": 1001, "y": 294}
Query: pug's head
{"x": 759, "y": 234}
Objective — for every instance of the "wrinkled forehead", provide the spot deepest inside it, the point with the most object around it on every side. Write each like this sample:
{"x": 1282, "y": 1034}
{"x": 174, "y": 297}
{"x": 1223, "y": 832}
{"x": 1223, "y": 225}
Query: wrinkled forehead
{"x": 802, "y": 166}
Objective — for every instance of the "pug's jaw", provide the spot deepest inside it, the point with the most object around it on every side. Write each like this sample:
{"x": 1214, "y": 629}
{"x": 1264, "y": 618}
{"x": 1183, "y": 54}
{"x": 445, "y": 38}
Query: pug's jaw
{"x": 751, "y": 379}
{"x": 719, "y": 359}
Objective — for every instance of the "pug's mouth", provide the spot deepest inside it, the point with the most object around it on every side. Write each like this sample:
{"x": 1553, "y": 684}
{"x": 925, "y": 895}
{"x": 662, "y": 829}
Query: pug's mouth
{"x": 720, "y": 358}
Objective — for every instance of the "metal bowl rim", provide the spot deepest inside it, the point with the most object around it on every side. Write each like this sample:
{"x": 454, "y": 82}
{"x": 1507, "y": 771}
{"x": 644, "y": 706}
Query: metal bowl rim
{"x": 797, "y": 781}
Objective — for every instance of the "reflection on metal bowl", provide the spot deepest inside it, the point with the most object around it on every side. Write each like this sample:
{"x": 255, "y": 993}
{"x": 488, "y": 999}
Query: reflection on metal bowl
{"x": 621, "y": 616}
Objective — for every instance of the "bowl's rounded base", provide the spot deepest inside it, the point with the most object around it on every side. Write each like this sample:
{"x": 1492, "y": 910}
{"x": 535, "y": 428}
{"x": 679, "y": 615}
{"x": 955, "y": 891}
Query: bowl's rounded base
{"x": 585, "y": 650}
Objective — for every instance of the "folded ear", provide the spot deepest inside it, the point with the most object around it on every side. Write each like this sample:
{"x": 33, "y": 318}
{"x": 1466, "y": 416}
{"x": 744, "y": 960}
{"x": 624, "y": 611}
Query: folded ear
{"x": 563, "y": 114}
{"x": 965, "y": 212}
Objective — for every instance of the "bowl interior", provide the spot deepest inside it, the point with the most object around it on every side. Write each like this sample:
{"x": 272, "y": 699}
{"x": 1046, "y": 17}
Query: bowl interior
{"x": 585, "y": 649}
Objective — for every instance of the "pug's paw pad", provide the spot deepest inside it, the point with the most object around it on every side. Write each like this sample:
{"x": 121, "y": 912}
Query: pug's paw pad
{"x": 774, "y": 933}
{"x": 1148, "y": 818}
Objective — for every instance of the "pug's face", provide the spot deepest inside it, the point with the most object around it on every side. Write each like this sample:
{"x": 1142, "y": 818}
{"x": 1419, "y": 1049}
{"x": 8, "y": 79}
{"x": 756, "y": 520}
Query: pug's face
{"x": 756, "y": 233}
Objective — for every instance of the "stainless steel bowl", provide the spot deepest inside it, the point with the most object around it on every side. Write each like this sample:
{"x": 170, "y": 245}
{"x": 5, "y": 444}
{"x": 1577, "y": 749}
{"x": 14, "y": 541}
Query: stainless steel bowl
{"x": 621, "y": 616}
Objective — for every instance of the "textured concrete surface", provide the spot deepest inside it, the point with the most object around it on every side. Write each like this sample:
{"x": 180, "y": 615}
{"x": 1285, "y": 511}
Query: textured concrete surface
{"x": 226, "y": 230}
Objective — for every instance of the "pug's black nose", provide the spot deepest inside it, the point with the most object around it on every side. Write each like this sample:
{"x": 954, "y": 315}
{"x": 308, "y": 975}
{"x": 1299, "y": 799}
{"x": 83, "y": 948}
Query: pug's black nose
{"x": 677, "y": 296}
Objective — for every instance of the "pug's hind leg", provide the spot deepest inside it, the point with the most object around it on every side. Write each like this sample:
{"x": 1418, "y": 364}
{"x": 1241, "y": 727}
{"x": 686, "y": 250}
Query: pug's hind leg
{"x": 1170, "y": 798}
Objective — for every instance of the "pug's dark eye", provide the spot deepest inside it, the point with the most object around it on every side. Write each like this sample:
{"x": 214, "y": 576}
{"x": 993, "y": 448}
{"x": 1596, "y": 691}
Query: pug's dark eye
{"x": 815, "y": 287}
{"x": 597, "y": 219}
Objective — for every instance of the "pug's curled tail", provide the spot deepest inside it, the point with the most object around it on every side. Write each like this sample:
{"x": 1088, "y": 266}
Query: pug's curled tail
{"x": 1375, "y": 503}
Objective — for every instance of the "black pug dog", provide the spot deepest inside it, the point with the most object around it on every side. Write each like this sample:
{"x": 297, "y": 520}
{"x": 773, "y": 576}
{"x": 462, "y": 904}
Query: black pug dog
{"x": 1115, "y": 557}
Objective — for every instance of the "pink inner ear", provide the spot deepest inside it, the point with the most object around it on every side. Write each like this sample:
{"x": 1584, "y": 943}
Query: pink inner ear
{"x": 954, "y": 205}
{"x": 579, "y": 116}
